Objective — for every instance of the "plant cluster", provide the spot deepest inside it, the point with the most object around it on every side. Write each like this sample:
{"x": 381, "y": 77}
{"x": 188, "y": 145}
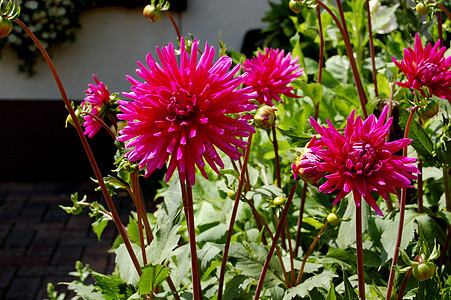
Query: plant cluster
{"x": 288, "y": 176}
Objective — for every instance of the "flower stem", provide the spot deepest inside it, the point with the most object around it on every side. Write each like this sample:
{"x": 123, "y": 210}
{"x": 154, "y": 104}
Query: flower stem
{"x": 276, "y": 157}
{"x": 355, "y": 72}
{"x": 447, "y": 188}
{"x": 402, "y": 208}
{"x": 402, "y": 289}
{"x": 301, "y": 214}
{"x": 420, "y": 185}
{"x": 440, "y": 27}
{"x": 448, "y": 14}
{"x": 187, "y": 197}
{"x": 86, "y": 147}
{"x": 359, "y": 248}
{"x": 373, "y": 55}
{"x": 232, "y": 218}
{"x": 140, "y": 207}
{"x": 321, "y": 45}
{"x": 274, "y": 242}
{"x": 310, "y": 249}
{"x": 290, "y": 248}
{"x": 177, "y": 31}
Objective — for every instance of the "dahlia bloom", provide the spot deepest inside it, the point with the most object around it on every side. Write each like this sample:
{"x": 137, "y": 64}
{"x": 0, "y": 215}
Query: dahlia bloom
{"x": 360, "y": 161}
{"x": 269, "y": 74}
{"x": 426, "y": 67}
{"x": 95, "y": 102}
{"x": 179, "y": 114}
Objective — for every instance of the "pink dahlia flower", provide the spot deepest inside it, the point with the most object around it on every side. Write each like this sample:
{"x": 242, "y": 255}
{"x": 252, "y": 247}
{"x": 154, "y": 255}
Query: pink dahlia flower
{"x": 361, "y": 162}
{"x": 426, "y": 67}
{"x": 180, "y": 113}
{"x": 270, "y": 73}
{"x": 95, "y": 103}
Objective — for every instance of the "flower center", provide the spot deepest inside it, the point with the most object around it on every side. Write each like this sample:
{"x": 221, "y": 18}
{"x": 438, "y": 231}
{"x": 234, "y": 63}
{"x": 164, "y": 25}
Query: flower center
{"x": 430, "y": 72}
{"x": 361, "y": 159}
{"x": 181, "y": 106}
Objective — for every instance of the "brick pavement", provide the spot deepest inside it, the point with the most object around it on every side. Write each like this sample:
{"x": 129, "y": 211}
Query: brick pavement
{"x": 40, "y": 243}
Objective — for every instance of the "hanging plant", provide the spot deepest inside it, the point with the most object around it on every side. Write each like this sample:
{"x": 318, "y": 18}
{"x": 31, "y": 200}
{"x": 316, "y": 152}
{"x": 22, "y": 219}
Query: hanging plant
{"x": 54, "y": 22}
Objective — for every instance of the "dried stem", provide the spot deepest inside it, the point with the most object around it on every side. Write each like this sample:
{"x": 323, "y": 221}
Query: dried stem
{"x": 86, "y": 147}
{"x": 401, "y": 213}
{"x": 274, "y": 242}
{"x": 232, "y": 218}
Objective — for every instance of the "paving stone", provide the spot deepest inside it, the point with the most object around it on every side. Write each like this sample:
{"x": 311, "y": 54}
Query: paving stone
{"x": 34, "y": 209}
{"x": 43, "y": 246}
{"x": 55, "y": 214}
{"x": 13, "y": 204}
{"x": 18, "y": 238}
{"x": 81, "y": 221}
{"x": 67, "y": 255}
{"x": 6, "y": 275}
{"x": 97, "y": 258}
{"x": 18, "y": 291}
{"x": 46, "y": 270}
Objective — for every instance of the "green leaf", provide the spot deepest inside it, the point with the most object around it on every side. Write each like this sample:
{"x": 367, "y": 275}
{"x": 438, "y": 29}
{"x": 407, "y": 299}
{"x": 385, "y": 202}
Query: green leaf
{"x": 99, "y": 225}
{"x": 350, "y": 294}
{"x": 252, "y": 264}
{"x": 152, "y": 276}
{"x": 331, "y": 294}
{"x": 133, "y": 230}
{"x": 421, "y": 140}
{"x": 113, "y": 288}
{"x": 87, "y": 292}
{"x": 294, "y": 137}
{"x": 322, "y": 280}
{"x": 206, "y": 255}
{"x": 446, "y": 215}
{"x": 233, "y": 289}
{"x": 214, "y": 234}
{"x": 162, "y": 246}
{"x": 125, "y": 264}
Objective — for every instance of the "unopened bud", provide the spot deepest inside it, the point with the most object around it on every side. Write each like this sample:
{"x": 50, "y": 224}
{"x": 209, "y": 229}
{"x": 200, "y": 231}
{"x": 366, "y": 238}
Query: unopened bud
{"x": 231, "y": 194}
{"x": 306, "y": 165}
{"x": 421, "y": 9}
{"x": 296, "y": 6}
{"x": 428, "y": 111}
{"x": 278, "y": 200}
{"x": 5, "y": 27}
{"x": 152, "y": 13}
{"x": 265, "y": 117}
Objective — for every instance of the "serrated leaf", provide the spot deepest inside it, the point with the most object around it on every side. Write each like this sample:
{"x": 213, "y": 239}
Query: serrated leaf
{"x": 446, "y": 215}
{"x": 322, "y": 280}
{"x": 151, "y": 277}
{"x": 350, "y": 294}
{"x": 294, "y": 137}
{"x": 125, "y": 264}
{"x": 133, "y": 230}
{"x": 112, "y": 288}
{"x": 99, "y": 225}
{"x": 87, "y": 292}
{"x": 233, "y": 289}
{"x": 421, "y": 141}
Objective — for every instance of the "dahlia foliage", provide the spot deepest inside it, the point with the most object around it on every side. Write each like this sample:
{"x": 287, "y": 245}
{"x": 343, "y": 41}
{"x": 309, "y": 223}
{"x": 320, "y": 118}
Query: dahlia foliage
{"x": 270, "y": 73}
{"x": 360, "y": 161}
{"x": 426, "y": 68}
{"x": 181, "y": 114}
{"x": 95, "y": 103}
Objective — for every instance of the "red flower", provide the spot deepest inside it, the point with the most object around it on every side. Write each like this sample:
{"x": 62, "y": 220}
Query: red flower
{"x": 360, "y": 161}
{"x": 181, "y": 113}
{"x": 270, "y": 73}
{"x": 426, "y": 68}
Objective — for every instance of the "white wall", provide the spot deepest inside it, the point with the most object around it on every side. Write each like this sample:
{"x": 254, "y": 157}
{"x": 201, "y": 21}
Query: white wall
{"x": 112, "y": 39}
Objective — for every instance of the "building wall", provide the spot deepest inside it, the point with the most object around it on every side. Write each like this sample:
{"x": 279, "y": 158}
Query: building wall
{"x": 113, "y": 38}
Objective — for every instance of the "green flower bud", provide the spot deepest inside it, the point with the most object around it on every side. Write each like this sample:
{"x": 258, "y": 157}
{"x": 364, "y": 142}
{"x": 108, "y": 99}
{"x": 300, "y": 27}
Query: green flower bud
{"x": 265, "y": 117}
{"x": 231, "y": 194}
{"x": 152, "y": 13}
{"x": 422, "y": 9}
{"x": 428, "y": 111}
{"x": 333, "y": 219}
{"x": 5, "y": 27}
{"x": 296, "y": 6}
{"x": 278, "y": 200}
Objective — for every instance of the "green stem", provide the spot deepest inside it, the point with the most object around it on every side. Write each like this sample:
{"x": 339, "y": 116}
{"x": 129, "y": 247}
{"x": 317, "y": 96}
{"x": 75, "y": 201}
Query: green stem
{"x": 276, "y": 157}
{"x": 86, "y": 147}
{"x": 187, "y": 198}
{"x": 301, "y": 214}
{"x": 274, "y": 242}
{"x": 310, "y": 249}
{"x": 232, "y": 218}
{"x": 373, "y": 54}
{"x": 402, "y": 209}
{"x": 344, "y": 33}
{"x": 359, "y": 248}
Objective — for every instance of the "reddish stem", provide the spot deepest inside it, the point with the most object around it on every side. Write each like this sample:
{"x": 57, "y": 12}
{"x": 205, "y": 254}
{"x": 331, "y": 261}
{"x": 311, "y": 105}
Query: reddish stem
{"x": 355, "y": 72}
{"x": 274, "y": 242}
{"x": 86, "y": 147}
{"x": 232, "y": 218}
{"x": 301, "y": 213}
{"x": 276, "y": 157}
{"x": 310, "y": 249}
{"x": 179, "y": 36}
{"x": 373, "y": 54}
{"x": 359, "y": 248}
{"x": 402, "y": 209}
{"x": 321, "y": 45}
